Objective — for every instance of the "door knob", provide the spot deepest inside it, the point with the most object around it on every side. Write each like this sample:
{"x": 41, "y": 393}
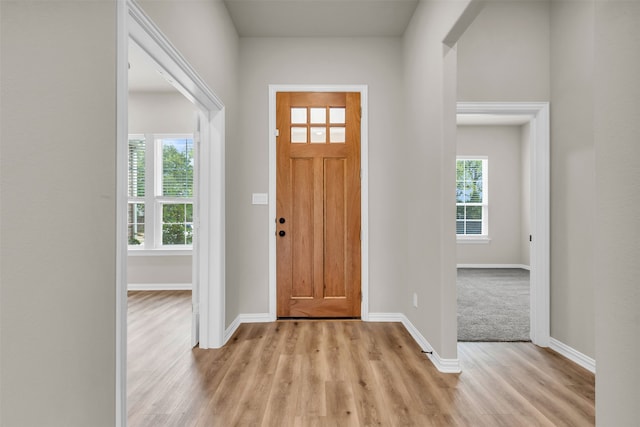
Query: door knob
{"x": 281, "y": 221}
{"x": 281, "y": 233}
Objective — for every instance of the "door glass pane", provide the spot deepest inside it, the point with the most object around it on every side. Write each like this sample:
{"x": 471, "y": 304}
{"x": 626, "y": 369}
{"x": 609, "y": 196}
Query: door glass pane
{"x": 318, "y": 135}
{"x": 318, "y": 115}
{"x": 298, "y": 135}
{"x": 299, "y": 115}
{"x": 337, "y": 135}
{"x": 336, "y": 116}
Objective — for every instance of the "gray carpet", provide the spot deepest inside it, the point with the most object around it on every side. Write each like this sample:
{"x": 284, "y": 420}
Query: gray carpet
{"x": 493, "y": 304}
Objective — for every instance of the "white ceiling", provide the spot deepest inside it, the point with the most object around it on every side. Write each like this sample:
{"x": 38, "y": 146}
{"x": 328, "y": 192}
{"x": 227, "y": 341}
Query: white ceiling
{"x": 321, "y": 18}
{"x": 143, "y": 74}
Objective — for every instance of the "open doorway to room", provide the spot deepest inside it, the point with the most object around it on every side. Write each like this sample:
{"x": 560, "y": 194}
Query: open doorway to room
{"x": 493, "y": 226}
{"x": 162, "y": 158}
{"x": 160, "y": 181}
{"x": 502, "y": 222}
{"x": 183, "y": 178}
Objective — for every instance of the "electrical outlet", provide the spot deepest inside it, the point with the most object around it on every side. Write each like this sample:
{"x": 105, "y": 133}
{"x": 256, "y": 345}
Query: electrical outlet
{"x": 415, "y": 300}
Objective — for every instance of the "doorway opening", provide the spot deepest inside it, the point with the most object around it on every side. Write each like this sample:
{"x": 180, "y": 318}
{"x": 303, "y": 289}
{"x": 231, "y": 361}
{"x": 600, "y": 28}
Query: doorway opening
{"x": 534, "y": 119}
{"x": 206, "y": 213}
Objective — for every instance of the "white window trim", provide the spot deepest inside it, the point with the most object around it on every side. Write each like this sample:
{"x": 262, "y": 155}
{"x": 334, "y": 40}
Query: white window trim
{"x": 153, "y": 200}
{"x": 473, "y": 240}
{"x": 134, "y": 251}
{"x": 484, "y": 237}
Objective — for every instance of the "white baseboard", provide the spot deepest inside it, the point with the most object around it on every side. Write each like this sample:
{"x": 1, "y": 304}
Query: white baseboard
{"x": 386, "y": 317}
{"x": 572, "y": 354}
{"x": 159, "y": 286}
{"x": 522, "y": 266}
{"x": 449, "y": 366}
{"x": 245, "y": 318}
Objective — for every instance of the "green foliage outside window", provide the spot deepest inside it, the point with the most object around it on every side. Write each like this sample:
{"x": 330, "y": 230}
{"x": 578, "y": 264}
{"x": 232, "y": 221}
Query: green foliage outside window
{"x": 177, "y": 224}
{"x": 177, "y": 182}
{"x": 469, "y": 196}
{"x": 174, "y": 194}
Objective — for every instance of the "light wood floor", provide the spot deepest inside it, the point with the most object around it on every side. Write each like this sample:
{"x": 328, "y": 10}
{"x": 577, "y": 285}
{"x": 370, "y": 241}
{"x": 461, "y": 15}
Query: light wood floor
{"x": 337, "y": 373}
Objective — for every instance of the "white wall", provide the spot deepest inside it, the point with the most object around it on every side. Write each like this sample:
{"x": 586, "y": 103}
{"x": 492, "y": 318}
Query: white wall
{"x": 161, "y": 271}
{"x": 429, "y": 132}
{"x": 541, "y": 51}
{"x": 205, "y": 35}
{"x": 58, "y": 142}
{"x": 160, "y": 112}
{"x": 595, "y": 62}
{"x": 58, "y": 211}
{"x": 617, "y": 184}
{"x": 504, "y": 55}
{"x": 503, "y": 147}
{"x": 572, "y": 176}
{"x": 375, "y": 62}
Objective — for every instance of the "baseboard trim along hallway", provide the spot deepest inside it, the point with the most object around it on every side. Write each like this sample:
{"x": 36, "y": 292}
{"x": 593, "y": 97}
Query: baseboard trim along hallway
{"x": 447, "y": 366}
{"x": 159, "y": 286}
{"x": 572, "y": 354}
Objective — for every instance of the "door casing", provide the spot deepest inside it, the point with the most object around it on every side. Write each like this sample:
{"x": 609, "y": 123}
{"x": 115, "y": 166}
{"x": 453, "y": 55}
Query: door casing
{"x": 364, "y": 187}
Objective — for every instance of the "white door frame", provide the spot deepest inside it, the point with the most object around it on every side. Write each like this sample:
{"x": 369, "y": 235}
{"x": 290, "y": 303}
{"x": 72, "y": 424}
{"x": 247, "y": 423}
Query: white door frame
{"x": 208, "y": 249}
{"x": 364, "y": 187}
{"x": 538, "y": 112}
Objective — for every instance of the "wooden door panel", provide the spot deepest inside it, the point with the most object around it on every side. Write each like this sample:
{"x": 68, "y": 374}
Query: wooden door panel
{"x": 318, "y": 205}
{"x": 302, "y": 217}
{"x": 335, "y": 228}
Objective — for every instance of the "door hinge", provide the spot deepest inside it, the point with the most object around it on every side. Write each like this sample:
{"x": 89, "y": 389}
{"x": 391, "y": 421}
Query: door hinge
{"x": 277, "y": 133}
{"x": 530, "y": 238}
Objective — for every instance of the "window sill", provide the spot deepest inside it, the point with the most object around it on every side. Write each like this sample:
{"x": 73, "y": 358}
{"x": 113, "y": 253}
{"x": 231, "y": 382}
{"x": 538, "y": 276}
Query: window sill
{"x": 160, "y": 252}
{"x": 468, "y": 240}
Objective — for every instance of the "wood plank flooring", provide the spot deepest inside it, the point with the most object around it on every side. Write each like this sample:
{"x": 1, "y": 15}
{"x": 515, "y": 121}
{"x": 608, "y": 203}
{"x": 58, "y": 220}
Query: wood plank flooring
{"x": 337, "y": 373}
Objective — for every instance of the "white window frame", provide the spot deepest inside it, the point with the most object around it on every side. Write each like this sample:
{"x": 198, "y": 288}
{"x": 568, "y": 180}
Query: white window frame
{"x": 483, "y": 237}
{"x": 154, "y": 200}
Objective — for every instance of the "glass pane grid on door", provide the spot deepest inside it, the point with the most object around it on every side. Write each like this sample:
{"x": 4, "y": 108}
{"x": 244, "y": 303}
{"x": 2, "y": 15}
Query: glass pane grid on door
{"x": 310, "y": 125}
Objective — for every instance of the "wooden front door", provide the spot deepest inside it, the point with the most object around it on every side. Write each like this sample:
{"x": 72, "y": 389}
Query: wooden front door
{"x": 318, "y": 204}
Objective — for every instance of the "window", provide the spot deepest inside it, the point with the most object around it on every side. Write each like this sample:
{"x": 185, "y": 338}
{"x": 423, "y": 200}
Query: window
{"x": 471, "y": 197}
{"x": 136, "y": 191}
{"x": 160, "y": 213}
